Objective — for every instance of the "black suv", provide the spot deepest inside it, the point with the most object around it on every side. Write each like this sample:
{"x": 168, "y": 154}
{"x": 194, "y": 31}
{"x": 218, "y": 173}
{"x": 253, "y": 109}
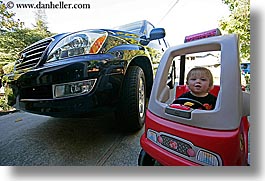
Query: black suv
{"x": 91, "y": 71}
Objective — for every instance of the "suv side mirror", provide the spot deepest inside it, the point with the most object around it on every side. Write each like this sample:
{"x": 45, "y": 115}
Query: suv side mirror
{"x": 157, "y": 33}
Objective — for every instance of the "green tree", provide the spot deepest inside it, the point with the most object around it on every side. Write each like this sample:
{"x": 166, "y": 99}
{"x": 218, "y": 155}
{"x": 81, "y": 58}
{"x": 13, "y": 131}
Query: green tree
{"x": 14, "y": 37}
{"x": 239, "y": 22}
{"x": 7, "y": 21}
{"x": 41, "y": 23}
{"x": 13, "y": 42}
{"x": 7, "y": 24}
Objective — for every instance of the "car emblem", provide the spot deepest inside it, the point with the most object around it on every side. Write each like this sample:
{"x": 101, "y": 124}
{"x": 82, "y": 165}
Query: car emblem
{"x": 22, "y": 58}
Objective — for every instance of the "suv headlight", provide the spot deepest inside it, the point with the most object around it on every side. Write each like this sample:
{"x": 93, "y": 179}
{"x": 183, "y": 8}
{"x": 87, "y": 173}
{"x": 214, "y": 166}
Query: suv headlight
{"x": 80, "y": 43}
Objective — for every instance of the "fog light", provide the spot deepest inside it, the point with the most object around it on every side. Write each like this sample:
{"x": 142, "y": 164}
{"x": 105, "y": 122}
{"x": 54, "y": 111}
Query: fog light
{"x": 73, "y": 88}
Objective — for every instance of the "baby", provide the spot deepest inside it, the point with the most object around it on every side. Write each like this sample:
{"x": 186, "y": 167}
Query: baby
{"x": 200, "y": 82}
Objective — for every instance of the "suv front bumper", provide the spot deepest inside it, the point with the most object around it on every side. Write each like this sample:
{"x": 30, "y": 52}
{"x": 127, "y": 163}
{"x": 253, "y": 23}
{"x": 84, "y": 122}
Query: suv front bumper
{"x": 35, "y": 89}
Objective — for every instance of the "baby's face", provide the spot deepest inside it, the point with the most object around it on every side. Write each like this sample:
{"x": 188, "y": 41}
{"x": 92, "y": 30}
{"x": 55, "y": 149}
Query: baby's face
{"x": 199, "y": 84}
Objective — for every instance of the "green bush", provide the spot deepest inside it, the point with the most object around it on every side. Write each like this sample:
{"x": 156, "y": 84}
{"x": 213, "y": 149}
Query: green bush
{"x": 3, "y": 104}
{"x": 7, "y": 100}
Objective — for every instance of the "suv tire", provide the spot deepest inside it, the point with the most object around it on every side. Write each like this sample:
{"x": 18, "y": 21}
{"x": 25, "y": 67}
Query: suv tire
{"x": 132, "y": 107}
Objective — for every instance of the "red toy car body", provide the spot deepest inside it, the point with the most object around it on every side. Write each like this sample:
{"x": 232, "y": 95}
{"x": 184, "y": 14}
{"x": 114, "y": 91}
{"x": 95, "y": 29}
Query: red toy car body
{"x": 177, "y": 135}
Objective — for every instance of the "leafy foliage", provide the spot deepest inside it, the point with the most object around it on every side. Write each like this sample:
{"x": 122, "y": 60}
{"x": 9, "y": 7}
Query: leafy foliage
{"x": 7, "y": 22}
{"x": 239, "y": 22}
{"x": 14, "y": 37}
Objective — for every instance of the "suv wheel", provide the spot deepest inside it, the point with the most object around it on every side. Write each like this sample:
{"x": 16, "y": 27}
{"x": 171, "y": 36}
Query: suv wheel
{"x": 133, "y": 99}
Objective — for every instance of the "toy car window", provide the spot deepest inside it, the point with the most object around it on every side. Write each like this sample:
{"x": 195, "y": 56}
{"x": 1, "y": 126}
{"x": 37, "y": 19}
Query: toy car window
{"x": 176, "y": 79}
{"x": 210, "y": 60}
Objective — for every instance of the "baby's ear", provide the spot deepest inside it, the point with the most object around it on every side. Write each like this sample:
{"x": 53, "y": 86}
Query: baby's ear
{"x": 211, "y": 87}
{"x": 187, "y": 84}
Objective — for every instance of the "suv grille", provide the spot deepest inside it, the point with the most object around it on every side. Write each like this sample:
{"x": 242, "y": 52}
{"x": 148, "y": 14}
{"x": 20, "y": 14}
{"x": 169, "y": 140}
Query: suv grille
{"x": 31, "y": 56}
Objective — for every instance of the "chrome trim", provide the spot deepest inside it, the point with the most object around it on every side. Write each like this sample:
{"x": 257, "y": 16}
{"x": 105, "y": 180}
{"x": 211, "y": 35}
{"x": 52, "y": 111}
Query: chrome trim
{"x": 31, "y": 56}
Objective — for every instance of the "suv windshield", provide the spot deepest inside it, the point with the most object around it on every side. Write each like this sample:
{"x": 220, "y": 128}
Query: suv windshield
{"x": 132, "y": 27}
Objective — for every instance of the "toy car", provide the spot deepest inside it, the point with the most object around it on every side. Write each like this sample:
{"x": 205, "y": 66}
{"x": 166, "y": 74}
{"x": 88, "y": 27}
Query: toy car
{"x": 89, "y": 72}
{"x": 177, "y": 135}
